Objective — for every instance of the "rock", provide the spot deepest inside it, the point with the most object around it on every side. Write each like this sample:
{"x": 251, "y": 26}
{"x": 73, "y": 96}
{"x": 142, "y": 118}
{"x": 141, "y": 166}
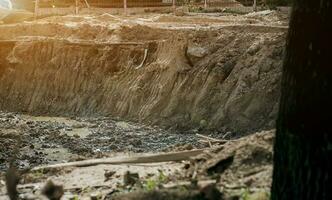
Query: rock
{"x": 95, "y": 196}
{"x": 28, "y": 196}
{"x": 181, "y": 11}
{"x": 53, "y": 191}
{"x": 78, "y": 125}
{"x": 130, "y": 179}
{"x": 108, "y": 175}
{"x": 93, "y": 126}
{"x": 210, "y": 192}
{"x": 203, "y": 123}
{"x": 29, "y": 122}
{"x": 71, "y": 197}
{"x": 135, "y": 142}
{"x": 68, "y": 129}
{"x": 195, "y": 53}
{"x": 254, "y": 48}
{"x": 258, "y": 196}
{"x": 114, "y": 147}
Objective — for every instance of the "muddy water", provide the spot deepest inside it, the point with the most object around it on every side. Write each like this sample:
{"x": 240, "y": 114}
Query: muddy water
{"x": 37, "y": 140}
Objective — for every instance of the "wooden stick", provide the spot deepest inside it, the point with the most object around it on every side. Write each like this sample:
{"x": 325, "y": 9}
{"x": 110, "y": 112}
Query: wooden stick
{"x": 224, "y": 136}
{"x": 154, "y": 158}
{"x": 211, "y": 139}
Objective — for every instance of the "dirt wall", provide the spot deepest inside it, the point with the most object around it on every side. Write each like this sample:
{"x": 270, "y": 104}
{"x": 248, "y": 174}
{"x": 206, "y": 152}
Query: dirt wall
{"x": 224, "y": 78}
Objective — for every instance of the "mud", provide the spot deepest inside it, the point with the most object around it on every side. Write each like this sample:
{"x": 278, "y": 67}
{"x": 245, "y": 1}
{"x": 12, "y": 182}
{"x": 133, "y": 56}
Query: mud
{"x": 222, "y": 72}
{"x": 35, "y": 141}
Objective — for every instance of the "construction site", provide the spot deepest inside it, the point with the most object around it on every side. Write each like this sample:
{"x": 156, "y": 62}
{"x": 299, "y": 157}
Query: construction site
{"x": 139, "y": 99}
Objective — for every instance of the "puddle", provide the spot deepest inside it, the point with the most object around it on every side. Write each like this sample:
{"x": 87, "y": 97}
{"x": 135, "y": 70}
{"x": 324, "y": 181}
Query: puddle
{"x": 61, "y": 120}
{"x": 125, "y": 126}
{"x": 56, "y": 155}
{"x": 81, "y": 132}
{"x": 64, "y": 120}
{"x": 47, "y": 140}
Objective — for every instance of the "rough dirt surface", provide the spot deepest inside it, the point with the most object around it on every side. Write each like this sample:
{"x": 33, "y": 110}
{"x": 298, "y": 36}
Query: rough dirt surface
{"x": 213, "y": 72}
{"x": 47, "y": 140}
{"x": 90, "y": 86}
{"x": 243, "y": 164}
{"x": 241, "y": 169}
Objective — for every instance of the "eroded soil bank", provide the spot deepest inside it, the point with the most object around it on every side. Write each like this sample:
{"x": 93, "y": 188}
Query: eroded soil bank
{"x": 217, "y": 72}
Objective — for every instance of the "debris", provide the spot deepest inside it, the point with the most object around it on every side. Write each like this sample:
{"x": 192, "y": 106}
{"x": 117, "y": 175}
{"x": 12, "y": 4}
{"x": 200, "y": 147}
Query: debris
{"x": 164, "y": 157}
{"x": 53, "y": 191}
{"x": 108, "y": 175}
{"x": 130, "y": 179}
{"x": 210, "y": 192}
{"x": 220, "y": 166}
{"x": 210, "y": 139}
{"x": 199, "y": 73}
{"x": 95, "y": 196}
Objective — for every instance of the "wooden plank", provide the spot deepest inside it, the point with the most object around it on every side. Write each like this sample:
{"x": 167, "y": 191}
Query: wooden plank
{"x": 153, "y": 158}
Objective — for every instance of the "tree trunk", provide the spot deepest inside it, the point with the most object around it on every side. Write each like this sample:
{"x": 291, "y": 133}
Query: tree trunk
{"x": 303, "y": 146}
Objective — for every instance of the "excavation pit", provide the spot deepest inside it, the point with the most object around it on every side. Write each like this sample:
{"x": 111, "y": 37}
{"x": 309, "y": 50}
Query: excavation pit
{"x": 93, "y": 86}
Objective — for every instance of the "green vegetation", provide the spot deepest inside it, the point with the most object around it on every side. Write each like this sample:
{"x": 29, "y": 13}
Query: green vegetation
{"x": 153, "y": 183}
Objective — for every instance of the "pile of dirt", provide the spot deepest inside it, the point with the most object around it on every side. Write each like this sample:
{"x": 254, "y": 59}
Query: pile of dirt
{"x": 223, "y": 76}
{"x": 243, "y": 164}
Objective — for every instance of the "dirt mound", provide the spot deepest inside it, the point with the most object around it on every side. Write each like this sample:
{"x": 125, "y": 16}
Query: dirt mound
{"x": 241, "y": 166}
{"x": 219, "y": 77}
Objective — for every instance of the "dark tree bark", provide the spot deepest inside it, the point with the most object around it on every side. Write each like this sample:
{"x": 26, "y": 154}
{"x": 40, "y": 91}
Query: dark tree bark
{"x": 303, "y": 146}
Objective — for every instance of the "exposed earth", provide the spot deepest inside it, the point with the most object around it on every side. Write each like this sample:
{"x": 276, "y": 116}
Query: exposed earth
{"x": 216, "y": 72}
{"x": 47, "y": 140}
{"x": 93, "y": 86}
